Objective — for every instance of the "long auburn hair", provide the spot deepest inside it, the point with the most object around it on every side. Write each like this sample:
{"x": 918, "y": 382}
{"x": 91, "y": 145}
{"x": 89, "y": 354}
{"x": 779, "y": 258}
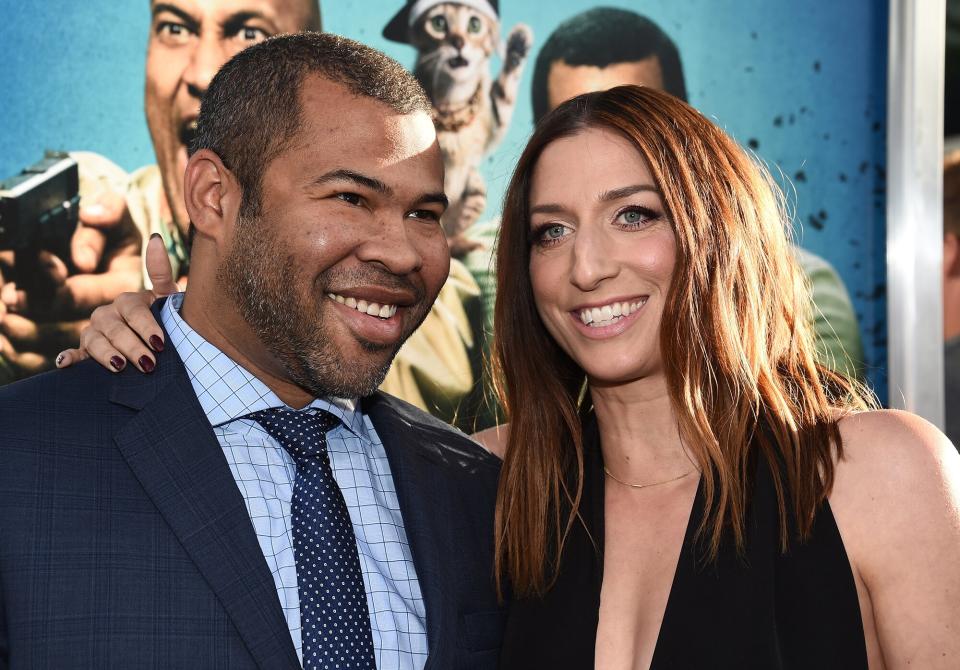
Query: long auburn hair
{"x": 738, "y": 353}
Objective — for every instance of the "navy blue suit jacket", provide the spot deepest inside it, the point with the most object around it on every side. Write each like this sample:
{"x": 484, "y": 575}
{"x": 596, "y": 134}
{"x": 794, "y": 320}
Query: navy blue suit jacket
{"x": 125, "y": 541}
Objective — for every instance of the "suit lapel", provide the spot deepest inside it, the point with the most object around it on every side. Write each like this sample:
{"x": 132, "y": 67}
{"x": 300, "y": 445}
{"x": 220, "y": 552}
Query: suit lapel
{"x": 173, "y": 452}
{"x": 416, "y": 481}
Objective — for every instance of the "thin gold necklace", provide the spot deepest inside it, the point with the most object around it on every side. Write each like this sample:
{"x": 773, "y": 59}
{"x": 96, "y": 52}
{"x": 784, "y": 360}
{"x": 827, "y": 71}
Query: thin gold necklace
{"x": 643, "y": 486}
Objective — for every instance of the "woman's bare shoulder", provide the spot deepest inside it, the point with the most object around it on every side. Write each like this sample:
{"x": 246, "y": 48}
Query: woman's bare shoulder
{"x": 896, "y": 485}
{"x": 896, "y": 500}
{"x": 493, "y": 439}
{"x": 894, "y": 444}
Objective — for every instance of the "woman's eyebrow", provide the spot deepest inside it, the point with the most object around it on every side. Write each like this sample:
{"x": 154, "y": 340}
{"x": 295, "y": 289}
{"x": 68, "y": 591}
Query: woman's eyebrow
{"x": 547, "y": 208}
{"x": 623, "y": 192}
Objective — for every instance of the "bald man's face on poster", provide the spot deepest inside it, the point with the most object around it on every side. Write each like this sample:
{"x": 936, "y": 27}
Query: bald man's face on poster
{"x": 189, "y": 41}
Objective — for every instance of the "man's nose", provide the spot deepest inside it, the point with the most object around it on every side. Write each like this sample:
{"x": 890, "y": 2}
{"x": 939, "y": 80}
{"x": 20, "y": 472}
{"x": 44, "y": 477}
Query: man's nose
{"x": 393, "y": 247}
{"x": 456, "y": 39}
{"x": 593, "y": 259}
{"x": 207, "y": 57}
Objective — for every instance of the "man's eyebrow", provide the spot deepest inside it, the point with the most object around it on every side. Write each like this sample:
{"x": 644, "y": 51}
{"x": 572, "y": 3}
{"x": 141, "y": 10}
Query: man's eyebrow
{"x": 434, "y": 198}
{"x": 617, "y": 193}
{"x": 356, "y": 178}
{"x": 182, "y": 14}
{"x": 235, "y": 22}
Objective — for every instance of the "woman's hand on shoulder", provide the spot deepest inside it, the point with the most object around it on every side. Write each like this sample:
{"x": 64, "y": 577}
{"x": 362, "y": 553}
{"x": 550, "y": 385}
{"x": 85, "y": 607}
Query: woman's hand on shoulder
{"x": 126, "y": 330}
{"x": 494, "y": 439}
{"x": 896, "y": 499}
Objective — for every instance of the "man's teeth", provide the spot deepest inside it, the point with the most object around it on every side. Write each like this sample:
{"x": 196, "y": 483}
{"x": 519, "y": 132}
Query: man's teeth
{"x": 371, "y": 308}
{"x": 597, "y": 317}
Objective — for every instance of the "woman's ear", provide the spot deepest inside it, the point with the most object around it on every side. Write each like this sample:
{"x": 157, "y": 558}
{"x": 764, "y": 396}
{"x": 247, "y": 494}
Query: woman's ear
{"x": 212, "y": 196}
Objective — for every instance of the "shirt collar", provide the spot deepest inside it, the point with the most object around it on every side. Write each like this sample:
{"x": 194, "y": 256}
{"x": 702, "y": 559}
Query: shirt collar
{"x": 226, "y": 390}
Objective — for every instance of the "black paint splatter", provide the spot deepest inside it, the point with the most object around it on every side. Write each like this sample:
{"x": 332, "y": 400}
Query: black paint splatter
{"x": 816, "y": 66}
{"x": 753, "y": 143}
{"x": 800, "y": 176}
{"x": 777, "y": 121}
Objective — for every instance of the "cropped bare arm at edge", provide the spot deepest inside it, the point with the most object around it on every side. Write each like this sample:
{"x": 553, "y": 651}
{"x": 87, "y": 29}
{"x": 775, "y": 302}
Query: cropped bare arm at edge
{"x": 125, "y": 330}
{"x": 896, "y": 500}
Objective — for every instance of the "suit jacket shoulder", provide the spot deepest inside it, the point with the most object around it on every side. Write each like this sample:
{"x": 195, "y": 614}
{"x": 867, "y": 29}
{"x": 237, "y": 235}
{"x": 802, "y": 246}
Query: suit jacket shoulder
{"x": 438, "y": 441}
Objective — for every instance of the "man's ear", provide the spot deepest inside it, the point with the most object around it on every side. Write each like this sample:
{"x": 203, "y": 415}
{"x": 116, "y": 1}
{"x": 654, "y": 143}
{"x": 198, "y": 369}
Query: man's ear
{"x": 212, "y": 196}
{"x": 951, "y": 255}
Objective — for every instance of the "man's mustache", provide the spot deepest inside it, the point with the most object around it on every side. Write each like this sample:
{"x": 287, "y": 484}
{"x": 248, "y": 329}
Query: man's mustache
{"x": 335, "y": 280}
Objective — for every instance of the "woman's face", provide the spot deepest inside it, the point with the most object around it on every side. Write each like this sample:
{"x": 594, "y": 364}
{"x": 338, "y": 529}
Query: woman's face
{"x": 603, "y": 254}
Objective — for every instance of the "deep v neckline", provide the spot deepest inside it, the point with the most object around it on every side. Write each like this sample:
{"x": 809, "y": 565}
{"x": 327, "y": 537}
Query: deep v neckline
{"x": 598, "y": 518}
{"x": 753, "y": 607}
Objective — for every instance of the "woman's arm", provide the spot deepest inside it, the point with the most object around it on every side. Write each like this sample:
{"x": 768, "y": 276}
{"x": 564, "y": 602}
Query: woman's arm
{"x": 896, "y": 500}
{"x": 125, "y": 330}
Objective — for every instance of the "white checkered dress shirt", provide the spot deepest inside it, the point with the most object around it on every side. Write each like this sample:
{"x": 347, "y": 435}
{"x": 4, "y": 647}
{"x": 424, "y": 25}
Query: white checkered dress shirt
{"x": 265, "y": 473}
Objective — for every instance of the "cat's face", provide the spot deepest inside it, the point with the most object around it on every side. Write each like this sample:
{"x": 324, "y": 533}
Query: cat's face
{"x": 455, "y": 39}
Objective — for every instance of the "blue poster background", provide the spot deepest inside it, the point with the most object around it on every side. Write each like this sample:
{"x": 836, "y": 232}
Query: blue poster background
{"x": 803, "y": 83}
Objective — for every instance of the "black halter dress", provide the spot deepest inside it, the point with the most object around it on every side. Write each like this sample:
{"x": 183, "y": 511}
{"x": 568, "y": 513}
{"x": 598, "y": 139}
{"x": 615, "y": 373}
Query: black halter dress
{"x": 760, "y": 609}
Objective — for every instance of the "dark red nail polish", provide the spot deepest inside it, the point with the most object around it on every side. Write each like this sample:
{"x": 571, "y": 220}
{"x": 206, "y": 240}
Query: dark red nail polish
{"x": 156, "y": 343}
{"x": 117, "y": 363}
{"x": 146, "y": 364}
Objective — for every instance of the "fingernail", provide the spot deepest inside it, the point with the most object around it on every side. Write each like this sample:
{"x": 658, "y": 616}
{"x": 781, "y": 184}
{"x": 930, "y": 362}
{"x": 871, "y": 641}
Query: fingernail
{"x": 59, "y": 360}
{"x": 156, "y": 343}
{"x": 152, "y": 235}
{"x": 117, "y": 363}
{"x": 96, "y": 209}
{"x": 146, "y": 364}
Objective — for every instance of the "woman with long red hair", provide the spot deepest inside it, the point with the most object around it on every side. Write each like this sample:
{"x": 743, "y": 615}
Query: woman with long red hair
{"x": 684, "y": 485}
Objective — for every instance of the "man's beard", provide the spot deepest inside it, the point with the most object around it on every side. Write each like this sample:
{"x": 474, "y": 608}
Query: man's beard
{"x": 260, "y": 277}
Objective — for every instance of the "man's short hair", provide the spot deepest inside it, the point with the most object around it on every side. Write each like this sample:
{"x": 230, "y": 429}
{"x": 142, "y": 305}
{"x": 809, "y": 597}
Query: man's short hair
{"x": 251, "y": 110}
{"x": 951, "y": 193}
{"x": 603, "y": 36}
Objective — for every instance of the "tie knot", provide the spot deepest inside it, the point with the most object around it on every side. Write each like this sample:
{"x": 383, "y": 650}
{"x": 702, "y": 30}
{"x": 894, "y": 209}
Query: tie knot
{"x": 302, "y": 434}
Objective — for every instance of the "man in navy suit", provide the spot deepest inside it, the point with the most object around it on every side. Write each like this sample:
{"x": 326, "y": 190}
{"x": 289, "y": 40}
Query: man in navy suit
{"x": 255, "y": 502}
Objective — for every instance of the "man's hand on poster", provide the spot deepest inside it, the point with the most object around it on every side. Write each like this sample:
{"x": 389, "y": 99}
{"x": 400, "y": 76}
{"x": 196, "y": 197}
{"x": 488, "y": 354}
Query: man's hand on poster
{"x": 105, "y": 250}
{"x": 126, "y": 329}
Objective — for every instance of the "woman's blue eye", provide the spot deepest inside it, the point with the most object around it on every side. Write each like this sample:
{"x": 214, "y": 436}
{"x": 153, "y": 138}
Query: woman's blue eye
{"x": 474, "y": 25}
{"x": 439, "y": 23}
{"x": 636, "y": 217}
{"x": 551, "y": 234}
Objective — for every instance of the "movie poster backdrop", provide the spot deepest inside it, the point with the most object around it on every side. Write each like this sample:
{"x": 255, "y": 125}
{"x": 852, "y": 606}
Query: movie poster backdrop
{"x": 800, "y": 84}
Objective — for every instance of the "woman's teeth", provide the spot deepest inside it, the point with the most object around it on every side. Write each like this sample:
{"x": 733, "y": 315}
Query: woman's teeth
{"x": 371, "y": 308}
{"x": 598, "y": 317}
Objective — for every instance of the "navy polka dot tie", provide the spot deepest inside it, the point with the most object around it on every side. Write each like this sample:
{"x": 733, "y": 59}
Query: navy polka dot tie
{"x": 334, "y": 617}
